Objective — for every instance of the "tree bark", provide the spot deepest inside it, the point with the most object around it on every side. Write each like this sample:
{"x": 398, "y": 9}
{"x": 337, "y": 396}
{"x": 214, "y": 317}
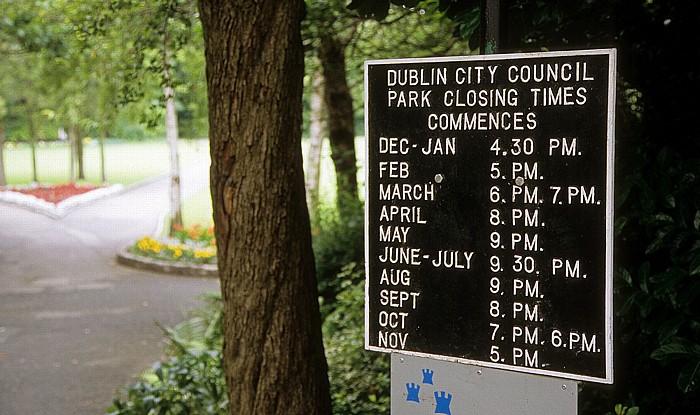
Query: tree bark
{"x": 317, "y": 132}
{"x": 78, "y": 142}
{"x": 172, "y": 133}
{"x": 32, "y": 141}
{"x": 3, "y": 179}
{"x": 273, "y": 352}
{"x": 103, "y": 175}
{"x": 76, "y": 153}
{"x": 71, "y": 144}
{"x": 341, "y": 123}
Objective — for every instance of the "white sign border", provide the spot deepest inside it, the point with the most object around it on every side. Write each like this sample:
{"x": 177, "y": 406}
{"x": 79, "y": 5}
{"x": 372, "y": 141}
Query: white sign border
{"x": 609, "y": 217}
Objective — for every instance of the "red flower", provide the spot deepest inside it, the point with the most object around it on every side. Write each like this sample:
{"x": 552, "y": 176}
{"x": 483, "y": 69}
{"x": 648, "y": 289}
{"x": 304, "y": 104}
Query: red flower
{"x": 56, "y": 193}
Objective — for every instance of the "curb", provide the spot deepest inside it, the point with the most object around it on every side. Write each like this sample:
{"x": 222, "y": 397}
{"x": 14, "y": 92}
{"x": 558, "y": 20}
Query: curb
{"x": 61, "y": 209}
{"x": 149, "y": 264}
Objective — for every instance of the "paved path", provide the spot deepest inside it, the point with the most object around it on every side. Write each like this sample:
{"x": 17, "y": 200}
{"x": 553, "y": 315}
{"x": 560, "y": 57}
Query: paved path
{"x": 74, "y": 325}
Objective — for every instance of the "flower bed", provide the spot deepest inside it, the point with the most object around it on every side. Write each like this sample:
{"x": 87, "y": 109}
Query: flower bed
{"x": 55, "y": 200}
{"x": 53, "y": 193}
{"x": 194, "y": 245}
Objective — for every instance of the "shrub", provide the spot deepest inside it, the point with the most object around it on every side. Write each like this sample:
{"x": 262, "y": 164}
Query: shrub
{"x": 337, "y": 241}
{"x": 191, "y": 380}
{"x": 660, "y": 284}
{"x": 623, "y": 410}
{"x": 359, "y": 379}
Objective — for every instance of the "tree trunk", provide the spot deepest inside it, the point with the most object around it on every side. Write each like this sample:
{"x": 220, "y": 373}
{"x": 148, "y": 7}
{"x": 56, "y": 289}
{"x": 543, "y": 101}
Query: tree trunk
{"x": 103, "y": 176}
{"x": 317, "y": 132}
{"x": 76, "y": 153}
{"x": 32, "y": 141}
{"x": 341, "y": 123}
{"x": 3, "y": 114}
{"x": 172, "y": 133}
{"x": 71, "y": 143}
{"x": 273, "y": 352}
{"x": 3, "y": 179}
{"x": 78, "y": 142}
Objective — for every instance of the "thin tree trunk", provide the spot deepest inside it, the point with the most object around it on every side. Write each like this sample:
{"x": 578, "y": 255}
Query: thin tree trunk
{"x": 103, "y": 176}
{"x": 71, "y": 143}
{"x": 77, "y": 136}
{"x": 72, "y": 139}
{"x": 317, "y": 132}
{"x": 171, "y": 132}
{"x": 273, "y": 352}
{"x": 341, "y": 123}
{"x": 32, "y": 141}
{"x": 3, "y": 178}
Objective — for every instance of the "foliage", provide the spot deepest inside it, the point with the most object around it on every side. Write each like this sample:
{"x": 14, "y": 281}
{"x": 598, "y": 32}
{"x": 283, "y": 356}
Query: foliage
{"x": 378, "y": 9}
{"x": 623, "y": 410}
{"x": 359, "y": 378}
{"x": 526, "y": 22}
{"x": 661, "y": 286}
{"x": 191, "y": 380}
{"x": 337, "y": 241}
{"x": 194, "y": 245}
{"x": 79, "y": 60}
{"x": 407, "y": 32}
{"x": 166, "y": 27}
{"x": 23, "y": 28}
{"x": 195, "y": 233}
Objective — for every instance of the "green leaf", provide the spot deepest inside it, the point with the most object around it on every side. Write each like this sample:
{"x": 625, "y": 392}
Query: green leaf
{"x": 672, "y": 351}
{"x": 468, "y": 22}
{"x": 670, "y": 329}
{"x": 662, "y": 217}
{"x": 370, "y": 9}
{"x": 620, "y": 224}
{"x": 625, "y": 276}
{"x": 621, "y": 195}
{"x": 670, "y": 201}
{"x": 159, "y": 372}
{"x": 633, "y": 411}
{"x": 659, "y": 242}
{"x": 644, "y": 271}
{"x": 695, "y": 266}
{"x": 689, "y": 377}
{"x": 696, "y": 222}
{"x": 628, "y": 305}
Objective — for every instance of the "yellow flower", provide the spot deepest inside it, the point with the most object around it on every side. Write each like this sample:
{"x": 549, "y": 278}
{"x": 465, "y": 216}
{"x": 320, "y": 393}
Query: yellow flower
{"x": 175, "y": 251}
{"x": 205, "y": 253}
{"x": 149, "y": 244}
{"x": 156, "y": 247}
{"x": 143, "y": 244}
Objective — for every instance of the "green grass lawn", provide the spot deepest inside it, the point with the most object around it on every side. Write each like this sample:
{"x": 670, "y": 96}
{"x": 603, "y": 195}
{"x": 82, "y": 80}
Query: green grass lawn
{"x": 197, "y": 209}
{"x": 125, "y": 162}
{"x": 327, "y": 187}
{"x": 128, "y": 162}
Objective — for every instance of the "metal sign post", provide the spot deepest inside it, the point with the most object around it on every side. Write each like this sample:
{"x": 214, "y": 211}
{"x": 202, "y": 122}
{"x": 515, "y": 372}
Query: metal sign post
{"x": 490, "y": 26}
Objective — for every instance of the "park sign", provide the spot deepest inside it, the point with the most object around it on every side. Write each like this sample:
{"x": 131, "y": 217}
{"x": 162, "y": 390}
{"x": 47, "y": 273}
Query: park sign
{"x": 489, "y": 210}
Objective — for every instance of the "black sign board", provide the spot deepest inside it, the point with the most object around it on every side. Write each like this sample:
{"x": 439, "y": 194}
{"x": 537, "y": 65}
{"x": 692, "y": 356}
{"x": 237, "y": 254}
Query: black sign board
{"x": 489, "y": 210}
